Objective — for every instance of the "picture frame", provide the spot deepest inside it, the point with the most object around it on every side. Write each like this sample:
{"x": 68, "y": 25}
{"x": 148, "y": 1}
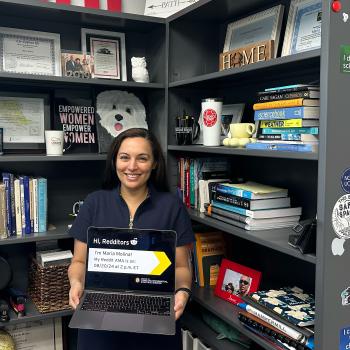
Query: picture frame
{"x": 230, "y": 114}
{"x": 262, "y": 26}
{"x": 303, "y": 29}
{"x": 77, "y": 65}
{"x": 24, "y": 118}
{"x": 236, "y": 280}
{"x": 107, "y": 45}
{"x": 29, "y": 52}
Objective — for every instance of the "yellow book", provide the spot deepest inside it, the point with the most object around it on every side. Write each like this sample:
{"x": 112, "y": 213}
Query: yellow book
{"x": 295, "y": 102}
{"x": 288, "y": 123}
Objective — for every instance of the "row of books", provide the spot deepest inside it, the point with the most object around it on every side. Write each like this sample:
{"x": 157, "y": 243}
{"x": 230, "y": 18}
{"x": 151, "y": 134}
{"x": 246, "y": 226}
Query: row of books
{"x": 252, "y": 206}
{"x": 287, "y": 118}
{"x": 23, "y": 205}
{"x": 284, "y": 317}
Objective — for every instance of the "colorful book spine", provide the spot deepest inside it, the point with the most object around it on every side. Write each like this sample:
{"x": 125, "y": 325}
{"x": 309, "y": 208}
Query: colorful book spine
{"x": 280, "y": 137}
{"x": 288, "y": 95}
{"x": 35, "y": 205}
{"x": 192, "y": 183}
{"x": 233, "y": 191}
{"x": 282, "y": 147}
{"x": 31, "y": 203}
{"x": 290, "y": 131}
{"x": 3, "y": 212}
{"x": 231, "y": 199}
{"x": 295, "y": 102}
{"x": 42, "y": 201}
{"x": 18, "y": 206}
{"x": 11, "y": 229}
{"x": 25, "y": 199}
{"x": 287, "y": 123}
{"x": 285, "y": 113}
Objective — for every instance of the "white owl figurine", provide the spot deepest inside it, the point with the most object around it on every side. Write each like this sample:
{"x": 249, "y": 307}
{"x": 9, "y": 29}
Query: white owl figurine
{"x": 139, "y": 72}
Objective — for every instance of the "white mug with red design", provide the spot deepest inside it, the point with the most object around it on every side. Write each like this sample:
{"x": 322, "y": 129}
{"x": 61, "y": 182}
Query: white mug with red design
{"x": 211, "y": 117}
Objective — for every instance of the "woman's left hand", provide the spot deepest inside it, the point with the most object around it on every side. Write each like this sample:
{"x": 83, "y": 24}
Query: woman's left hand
{"x": 181, "y": 298}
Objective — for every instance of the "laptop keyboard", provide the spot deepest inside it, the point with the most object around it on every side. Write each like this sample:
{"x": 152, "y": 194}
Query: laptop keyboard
{"x": 135, "y": 304}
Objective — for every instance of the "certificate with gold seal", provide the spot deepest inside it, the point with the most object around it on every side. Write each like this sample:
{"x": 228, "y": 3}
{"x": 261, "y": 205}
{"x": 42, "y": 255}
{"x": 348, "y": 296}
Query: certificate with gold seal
{"x": 29, "y": 52}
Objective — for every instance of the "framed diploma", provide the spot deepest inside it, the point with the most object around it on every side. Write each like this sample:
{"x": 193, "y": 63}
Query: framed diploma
{"x": 24, "y": 119}
{"x": 108, "y": 52}
{"x": 29, "y": 52}
{"x": 262, "y": 26}
{"x": 303, "y": 30}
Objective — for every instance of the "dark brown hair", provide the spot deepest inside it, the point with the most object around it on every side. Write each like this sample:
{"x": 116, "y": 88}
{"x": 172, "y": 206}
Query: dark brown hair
{"x": 158, "y": 176}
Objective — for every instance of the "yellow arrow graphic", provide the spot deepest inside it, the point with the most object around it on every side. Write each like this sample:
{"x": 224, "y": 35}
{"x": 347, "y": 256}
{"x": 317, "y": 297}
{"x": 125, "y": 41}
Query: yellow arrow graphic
{"x": 164, "y": 263}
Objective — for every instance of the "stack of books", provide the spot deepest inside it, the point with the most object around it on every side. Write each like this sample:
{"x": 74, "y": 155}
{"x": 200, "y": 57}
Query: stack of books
{"x": 253, "y": 206}
{"x": 284, "y": 317}
{"x": 287, "y": 118}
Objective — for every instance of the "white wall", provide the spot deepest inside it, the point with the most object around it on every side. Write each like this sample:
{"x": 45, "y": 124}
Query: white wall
{"x": 133, "y": 6}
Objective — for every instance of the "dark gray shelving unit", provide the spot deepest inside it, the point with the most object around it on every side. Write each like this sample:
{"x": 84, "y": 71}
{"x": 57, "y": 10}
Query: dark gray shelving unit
{"x": 196, "y": 38}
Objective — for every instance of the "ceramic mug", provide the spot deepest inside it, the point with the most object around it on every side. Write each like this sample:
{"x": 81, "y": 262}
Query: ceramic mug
{"x": 211, "y": 116}
{"x": 54, "y": 140}
{"x": 242, "y": 130}
{"x": 186, "y": 130}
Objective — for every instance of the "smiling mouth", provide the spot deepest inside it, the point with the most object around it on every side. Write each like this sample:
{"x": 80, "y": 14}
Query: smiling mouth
{"x": 132, "y": 176}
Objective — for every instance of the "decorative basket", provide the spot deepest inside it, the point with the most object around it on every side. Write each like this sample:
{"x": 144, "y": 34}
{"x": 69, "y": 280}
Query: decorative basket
{"x": 49, "y": 287}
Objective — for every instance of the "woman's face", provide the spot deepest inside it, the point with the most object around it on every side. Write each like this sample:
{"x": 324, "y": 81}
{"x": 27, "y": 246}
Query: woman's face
{"x": 134, "y": 163}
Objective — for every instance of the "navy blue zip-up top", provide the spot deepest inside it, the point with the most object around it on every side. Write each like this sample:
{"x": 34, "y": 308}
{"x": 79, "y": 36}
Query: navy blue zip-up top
{"x": 160, "y": 211}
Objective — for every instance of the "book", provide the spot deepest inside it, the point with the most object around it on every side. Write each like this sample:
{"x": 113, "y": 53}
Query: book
{"x": 256, "y": 227}
{"x": 18, "y": 207}
{"x": 273, "y": 96}
{"x": 288, "y": 137}
{"x": 3, "y": 212}
{"x": 285, "y": 147}
{"x": 251, "y": 190}
{"x": 292, "y": 304}
{"x": 250, "y": 221}
{"x": 42, "y": 204}
{"x": 35, "y": 205}
{"x": 259, "y": 214}
{"x": 252, "y": 204}
{"x": 289, "y": 123}
{"x": 295, "y": 102}
{"x": 210, "y": 249}
{"x": 288, "y": 113}
{"x": 281, "y": 131}
{"x": 294, "y": 87}
{"x": 203, "y": 188}
{"x": 8, "y": 180}
{"x": 267, "y": 329}
{"x": 75, "y": 115}
{"x": 25, "y": 204}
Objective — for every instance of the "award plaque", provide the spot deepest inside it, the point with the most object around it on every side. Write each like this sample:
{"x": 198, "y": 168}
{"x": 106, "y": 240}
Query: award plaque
{"x": 29, "y": 52}
{"x": 303, "y": 30}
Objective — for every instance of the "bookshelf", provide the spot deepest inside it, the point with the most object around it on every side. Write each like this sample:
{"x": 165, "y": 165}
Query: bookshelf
{"x": 313, "y": 180}
{"x": 182, "y": 55}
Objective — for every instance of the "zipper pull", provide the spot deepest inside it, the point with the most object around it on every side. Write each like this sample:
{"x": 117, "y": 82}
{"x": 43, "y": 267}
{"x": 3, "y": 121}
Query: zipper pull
{"x": 131, "y": 223}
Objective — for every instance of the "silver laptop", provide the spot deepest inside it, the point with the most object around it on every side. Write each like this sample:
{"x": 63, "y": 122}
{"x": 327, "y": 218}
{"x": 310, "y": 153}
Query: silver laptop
{"x": 129, "y": 282}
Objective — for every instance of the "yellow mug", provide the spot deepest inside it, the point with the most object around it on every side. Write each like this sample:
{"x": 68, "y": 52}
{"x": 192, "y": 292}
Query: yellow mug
{"x": 242, "y": 130}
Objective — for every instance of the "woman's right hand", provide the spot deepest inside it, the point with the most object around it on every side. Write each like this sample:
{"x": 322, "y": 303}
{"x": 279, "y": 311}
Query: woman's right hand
{"x": 75, "y": 293}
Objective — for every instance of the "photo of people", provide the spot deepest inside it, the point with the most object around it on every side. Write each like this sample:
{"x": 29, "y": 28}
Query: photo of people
{"x": 76, "y": 65}
{"x": 236, "y": 283}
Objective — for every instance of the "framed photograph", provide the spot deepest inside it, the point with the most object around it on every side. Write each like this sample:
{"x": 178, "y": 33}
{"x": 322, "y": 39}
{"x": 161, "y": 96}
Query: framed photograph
{"x": 303, "y": 30}
{"x": 108, "y": 52}
{"x": 230, "y": 114}
{"x": 24, "y": 119}
{"x": 77, "y": 65}
{"x": 29, "y": 52}
{"x": 262, "y": 26}
{"x": 236, "y": 280}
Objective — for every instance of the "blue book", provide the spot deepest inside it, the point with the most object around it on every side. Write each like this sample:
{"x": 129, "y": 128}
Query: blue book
{"x": 288, "y": 113}
{"x": 42, "y": 204}
{"x": 6, "y": 180}
{"x": 277, "y": 131}
{"x": 285, "y": 147}
{"x": 25, "y": 200}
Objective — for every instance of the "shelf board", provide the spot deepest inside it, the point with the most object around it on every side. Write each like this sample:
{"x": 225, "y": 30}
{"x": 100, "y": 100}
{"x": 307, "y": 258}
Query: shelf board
{"x": 46, "y": 80}
{"x": 298, "y": 61}
{"x": 276, "y": 239}
{"x": 60, "y": 232}
{"x": 226, "y": 311}
{"x": 244, "y": 152}
{"x": 44, "y": 158}
{"x": 79, "y": 15}
{"x": 32, "y": 314}
{"x": 205, "y": 333}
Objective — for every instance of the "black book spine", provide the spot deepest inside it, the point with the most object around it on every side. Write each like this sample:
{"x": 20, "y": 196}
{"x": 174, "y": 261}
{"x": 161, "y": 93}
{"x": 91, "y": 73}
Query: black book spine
{"x": 285, "y": 96}
{"x": 231, "y": 199}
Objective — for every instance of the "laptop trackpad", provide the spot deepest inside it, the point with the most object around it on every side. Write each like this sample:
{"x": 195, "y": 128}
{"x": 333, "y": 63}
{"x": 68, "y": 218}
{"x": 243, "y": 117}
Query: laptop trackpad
{"x": 122, "y": 322}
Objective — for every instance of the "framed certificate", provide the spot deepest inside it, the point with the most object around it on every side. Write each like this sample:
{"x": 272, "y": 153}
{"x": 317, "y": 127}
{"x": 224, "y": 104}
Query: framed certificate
{"x": 24, "y": 119}
{"x": 262, "y": 26}
{"x": 303, "y": 30}
{"x": 108, "y": 52}
{"x": 29, "y": 52}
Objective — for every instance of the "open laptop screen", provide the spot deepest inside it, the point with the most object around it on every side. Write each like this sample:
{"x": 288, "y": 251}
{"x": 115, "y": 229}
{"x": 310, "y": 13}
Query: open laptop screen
{"x": 130, "y": 259}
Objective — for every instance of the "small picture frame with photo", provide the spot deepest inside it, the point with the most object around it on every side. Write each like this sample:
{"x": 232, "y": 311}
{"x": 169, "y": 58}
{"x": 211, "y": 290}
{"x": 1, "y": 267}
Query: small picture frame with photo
{"x": 230, "y": 114}
{"x": 77, "y": 65}
{"x": 236, "y": 280}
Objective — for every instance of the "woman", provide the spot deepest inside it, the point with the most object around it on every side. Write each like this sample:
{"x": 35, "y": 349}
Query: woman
{"x": 134, "y": 195}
